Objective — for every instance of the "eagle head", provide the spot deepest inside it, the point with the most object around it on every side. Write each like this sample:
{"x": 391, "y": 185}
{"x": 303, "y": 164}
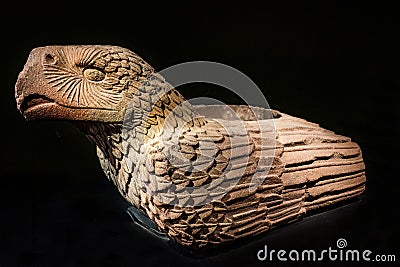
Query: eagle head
{"x": 80, "y": 83}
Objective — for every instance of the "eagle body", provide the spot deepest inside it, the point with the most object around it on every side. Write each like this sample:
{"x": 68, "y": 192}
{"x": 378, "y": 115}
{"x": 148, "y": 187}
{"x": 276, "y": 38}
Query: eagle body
{"x": 206, "y": 175}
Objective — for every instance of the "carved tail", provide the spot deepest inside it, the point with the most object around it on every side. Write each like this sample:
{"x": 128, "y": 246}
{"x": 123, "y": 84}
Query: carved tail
{"x": 320, "y": 165}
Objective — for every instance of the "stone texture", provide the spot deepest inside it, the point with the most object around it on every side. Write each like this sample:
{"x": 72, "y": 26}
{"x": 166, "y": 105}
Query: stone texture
{"x": 98, "y": 87}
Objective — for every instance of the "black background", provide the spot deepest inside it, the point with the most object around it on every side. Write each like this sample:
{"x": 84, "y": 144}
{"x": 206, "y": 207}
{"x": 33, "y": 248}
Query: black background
{"x": 335, "y": 63}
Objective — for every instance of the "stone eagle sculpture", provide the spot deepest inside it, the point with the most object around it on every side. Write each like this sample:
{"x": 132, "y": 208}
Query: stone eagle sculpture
{"x": 202, "y": 183}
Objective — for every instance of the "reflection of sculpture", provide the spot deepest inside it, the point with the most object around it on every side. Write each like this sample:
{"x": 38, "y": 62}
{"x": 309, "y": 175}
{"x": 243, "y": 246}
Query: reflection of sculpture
{"x": 94, "y": 86}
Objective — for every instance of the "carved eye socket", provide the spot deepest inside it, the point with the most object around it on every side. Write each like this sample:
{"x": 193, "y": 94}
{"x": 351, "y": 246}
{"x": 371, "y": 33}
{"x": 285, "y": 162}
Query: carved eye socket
{"x": 94, "y": 75}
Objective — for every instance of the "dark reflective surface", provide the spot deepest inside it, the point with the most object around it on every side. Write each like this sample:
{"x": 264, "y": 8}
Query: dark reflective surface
{"x": 72, "y": 226}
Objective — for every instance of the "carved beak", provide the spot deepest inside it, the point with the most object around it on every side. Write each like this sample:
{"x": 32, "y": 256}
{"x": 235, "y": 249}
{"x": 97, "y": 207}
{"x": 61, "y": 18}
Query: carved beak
{"x": 30, "y": 91}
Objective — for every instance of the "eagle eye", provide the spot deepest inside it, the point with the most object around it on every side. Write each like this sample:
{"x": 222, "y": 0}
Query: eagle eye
{"x": 94, "y": 75}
